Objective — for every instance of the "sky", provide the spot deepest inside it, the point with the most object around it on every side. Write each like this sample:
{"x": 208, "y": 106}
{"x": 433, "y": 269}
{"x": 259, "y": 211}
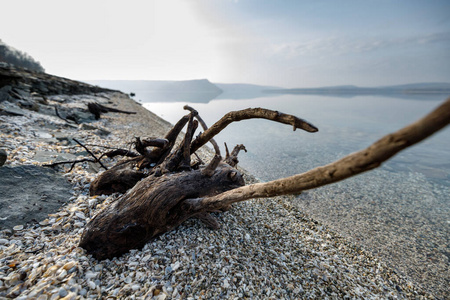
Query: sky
{"x": 292, "y": 43}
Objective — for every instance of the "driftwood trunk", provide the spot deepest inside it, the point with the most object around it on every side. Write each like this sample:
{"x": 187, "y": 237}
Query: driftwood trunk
{"x": 174, "y": 192}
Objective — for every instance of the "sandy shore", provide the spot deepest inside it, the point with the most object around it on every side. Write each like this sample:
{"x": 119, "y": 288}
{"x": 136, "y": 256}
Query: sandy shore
{"x": 266, "y": 249}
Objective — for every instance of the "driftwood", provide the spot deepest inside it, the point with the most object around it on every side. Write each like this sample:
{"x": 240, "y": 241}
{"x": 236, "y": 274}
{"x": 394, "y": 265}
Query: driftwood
{"x": 98, "y": 109}
{"x": 173, "y": 193}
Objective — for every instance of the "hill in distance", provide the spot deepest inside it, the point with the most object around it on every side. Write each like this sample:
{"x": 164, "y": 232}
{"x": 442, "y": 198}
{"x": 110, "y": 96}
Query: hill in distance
{"x": 197, "y": 91}
{"x": 128, "y": 86}
{"x": 435, "y": 88}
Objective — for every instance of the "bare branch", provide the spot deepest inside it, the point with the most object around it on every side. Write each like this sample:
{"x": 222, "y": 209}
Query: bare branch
{"x": 232, "y": 159}
{"x": 141, "y": 145}
{"x": 91, "y": 154}
{"x": 97, "y": 109}
{"x": 117, "y": 152}
{"x": 71, "y": 122}
{"x": 211, "y": 167}
{"x": 73, "y": 162}
{"x": 160, "y": 143}
{"x": 204, "y": 126}
{"x": 250, "y": 113}
{"x": 353, "y": 164}
{"x": 171, "y": 136}
{"x": 181, "y": 157}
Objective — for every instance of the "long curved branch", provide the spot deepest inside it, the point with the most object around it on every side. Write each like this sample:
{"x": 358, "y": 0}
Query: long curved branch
{"x": 250, "y": 113}
{"x": 351, "y": 165}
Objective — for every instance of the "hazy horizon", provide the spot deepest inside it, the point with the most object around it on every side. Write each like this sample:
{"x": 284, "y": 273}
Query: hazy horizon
{"x": 290, "y": 44}
{"x": 264, "y": 85}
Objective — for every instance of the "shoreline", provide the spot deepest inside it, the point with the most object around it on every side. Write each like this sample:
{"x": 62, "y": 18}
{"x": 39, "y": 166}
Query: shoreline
{"x": 265, "y": 248}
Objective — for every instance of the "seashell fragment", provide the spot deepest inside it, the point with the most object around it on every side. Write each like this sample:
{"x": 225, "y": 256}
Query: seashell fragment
{"x": 44, "y": 223}
{"x": 69, "y": 265}
{"x": 18, "y": 227}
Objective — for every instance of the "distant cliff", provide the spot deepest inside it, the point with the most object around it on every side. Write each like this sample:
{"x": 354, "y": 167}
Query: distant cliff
{"x": 191, "y": 86}
{"x": 200, "y": 90}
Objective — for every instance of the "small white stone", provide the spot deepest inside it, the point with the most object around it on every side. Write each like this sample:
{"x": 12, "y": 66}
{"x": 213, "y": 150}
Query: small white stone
{"x": 80, "y": 215}
{"x": 161, "y": 296}
{"x": 98, "y": 267}
{"x": 175, "y": 266}
{"x": 4, "y": 242}
{"x": 226, "y": 285}
{"x": 91, "y": 285}
{"x": 78, "y": 224}
{"x": 92, "y": 202}
{"x": 62, "y": 275}
{"x": 298, "y": 289}
{"x": 146, "y": 258}
{"x": 90, "y": 275}
{"x": 128, "y": 280}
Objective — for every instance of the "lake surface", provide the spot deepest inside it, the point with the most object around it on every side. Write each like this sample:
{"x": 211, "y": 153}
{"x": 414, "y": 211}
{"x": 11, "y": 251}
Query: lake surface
{"x": 399, "y": 212}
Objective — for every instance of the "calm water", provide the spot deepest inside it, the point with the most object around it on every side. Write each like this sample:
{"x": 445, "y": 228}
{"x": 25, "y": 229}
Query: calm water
{"x": 345, "y": 125}
{"x": 399, "y": 212}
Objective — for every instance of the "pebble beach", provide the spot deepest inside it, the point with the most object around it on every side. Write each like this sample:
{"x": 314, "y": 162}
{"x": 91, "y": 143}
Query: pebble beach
{"x": 265, "y": 248}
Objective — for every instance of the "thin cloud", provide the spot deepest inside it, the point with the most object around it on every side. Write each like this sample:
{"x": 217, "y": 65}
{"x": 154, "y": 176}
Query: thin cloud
{"x": 337, "y": 46}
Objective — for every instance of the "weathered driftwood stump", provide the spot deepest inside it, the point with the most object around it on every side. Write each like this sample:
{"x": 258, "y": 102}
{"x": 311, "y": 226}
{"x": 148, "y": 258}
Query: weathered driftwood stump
{"x": 158, "y": 181}
{"x": 97, "y": 109}
{"x": 173, "y": 190}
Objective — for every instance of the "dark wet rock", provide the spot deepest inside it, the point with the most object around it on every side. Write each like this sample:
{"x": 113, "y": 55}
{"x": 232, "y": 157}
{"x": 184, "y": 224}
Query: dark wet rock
{"x": 87, "y": 127}
{"x": 28, "y": 104}
{"x": 49, "y": 156}
{"x": 79, "y": 116}
{"x": 4, "y": 93}
{"x": 41, "y": 87}
{"x": 12, "y": 111}
{"x": 63, "y": 136}
{"x": 96, "y": 130}
{"x": 39, "y": 99}
{"x": 30, "y": 193}
{"x": 74, "y": 115}
{"x": 3, "y": 157}
{"x": 20, "y": 93}
{"x": 42, "y": 134}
